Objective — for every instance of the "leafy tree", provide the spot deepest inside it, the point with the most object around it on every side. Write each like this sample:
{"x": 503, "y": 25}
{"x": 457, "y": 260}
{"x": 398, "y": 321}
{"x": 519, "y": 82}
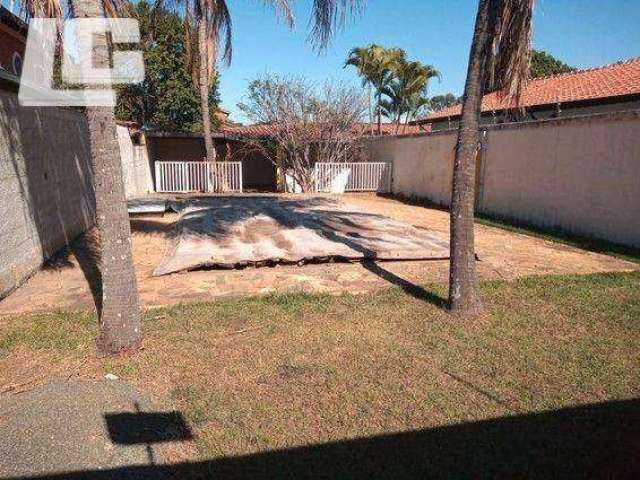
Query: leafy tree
{"x": 166, "y": 99}
{"x": 499, "y": 57}
{"x": 440, "y": 102}
{"x": 543, "y": 64}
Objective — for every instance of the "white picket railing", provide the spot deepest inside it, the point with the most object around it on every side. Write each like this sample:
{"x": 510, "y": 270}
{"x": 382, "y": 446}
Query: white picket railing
{"x": 183, "y": 177}
{"x": 361, "y": 176}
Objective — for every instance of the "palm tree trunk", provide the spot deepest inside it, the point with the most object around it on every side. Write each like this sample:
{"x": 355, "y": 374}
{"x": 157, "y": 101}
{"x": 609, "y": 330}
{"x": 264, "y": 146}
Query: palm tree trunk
{"x": 118, "y": 308}
{"x": 406, "y": 122}
{"x": 463, "y": 284}
{"x": 204, "y": 91}
{"x": 379, "y": 113}
{"x": 370, "y": 109}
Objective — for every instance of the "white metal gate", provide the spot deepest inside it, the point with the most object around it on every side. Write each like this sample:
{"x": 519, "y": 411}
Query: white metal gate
{"x": 361, "y": 176}
{"x": 172, "y": 177}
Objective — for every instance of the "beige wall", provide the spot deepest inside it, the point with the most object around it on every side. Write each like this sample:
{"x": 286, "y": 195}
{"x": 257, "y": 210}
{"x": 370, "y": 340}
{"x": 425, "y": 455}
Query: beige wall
{"x": 136, "y": 170}
{"x": 580, "y": 175}
{"x": 422, "y": 166}
{"x": 46, "y": 187}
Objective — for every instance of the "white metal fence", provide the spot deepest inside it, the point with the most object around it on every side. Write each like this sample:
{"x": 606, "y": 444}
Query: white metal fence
{"x": 172, "y": 177}
{"x": 353, "y": 177}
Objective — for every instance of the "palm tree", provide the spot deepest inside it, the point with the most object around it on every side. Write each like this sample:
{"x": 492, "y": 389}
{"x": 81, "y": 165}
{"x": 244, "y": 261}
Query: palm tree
{"x": 499, "y": 59}
{"x": 408, "y": 89}
{"x": 212, "y": 20}
{"x": 391, "y": 106}
{"x": 376, "y": 66}
{"x": 118, "y": 304}
{"x": 361, "y": 58}
{"x": 417, "y": 103}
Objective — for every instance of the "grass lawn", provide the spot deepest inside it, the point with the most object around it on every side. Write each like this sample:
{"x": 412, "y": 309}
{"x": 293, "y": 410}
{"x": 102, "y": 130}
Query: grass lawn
{"x": 269, "y": 373}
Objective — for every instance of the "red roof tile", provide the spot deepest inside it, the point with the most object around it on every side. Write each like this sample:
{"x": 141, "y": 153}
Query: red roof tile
{"x": 618, "y": 79}
{"x": 264, "y": 129}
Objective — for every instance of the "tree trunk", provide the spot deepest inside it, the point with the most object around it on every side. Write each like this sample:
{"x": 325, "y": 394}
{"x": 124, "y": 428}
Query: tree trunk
{"x": 379, "y": 113}
{"x": 463, "y": 283}
{"x": 370, "y": 110}
{"x": 204, "y": 91}
{"x": 118, "y": 309}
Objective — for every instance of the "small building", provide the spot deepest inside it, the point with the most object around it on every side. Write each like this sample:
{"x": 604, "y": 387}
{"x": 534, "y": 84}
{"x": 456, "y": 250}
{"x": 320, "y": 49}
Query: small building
{"x": 611, "y": 88}
{"x": 230, "y": 141}
{"x": 13, "y": 41}
{"x": 258, "y": 172}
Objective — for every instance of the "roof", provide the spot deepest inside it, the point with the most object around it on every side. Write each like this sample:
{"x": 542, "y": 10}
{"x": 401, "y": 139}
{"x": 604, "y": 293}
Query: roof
{"x": 266, "y": 129}
{"x": 607, "y": 82}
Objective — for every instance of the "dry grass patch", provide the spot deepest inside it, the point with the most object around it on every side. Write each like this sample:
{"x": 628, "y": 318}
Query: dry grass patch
{"x": 289, "y": 370}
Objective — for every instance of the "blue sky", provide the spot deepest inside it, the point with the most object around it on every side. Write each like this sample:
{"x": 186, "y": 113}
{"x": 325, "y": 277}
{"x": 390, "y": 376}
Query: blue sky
{"x": 583, "y": 33}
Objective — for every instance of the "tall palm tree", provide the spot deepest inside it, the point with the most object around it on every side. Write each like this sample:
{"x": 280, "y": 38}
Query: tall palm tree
{"x": 376, "y": 66}
{"x": 118, "y": 304}
{"x": 361, "y": 58}
{"x": 499, "y": 59}
{"x": 417, "y": 103}
{"x": 408, "y": 89}
{"x": 212, "y": 20}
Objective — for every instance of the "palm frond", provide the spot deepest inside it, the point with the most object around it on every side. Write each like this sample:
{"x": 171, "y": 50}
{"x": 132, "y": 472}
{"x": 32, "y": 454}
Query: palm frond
{"x": 328, "y": 16}
{"x": 283, "y": 9}
{"x": 508, "y": 65}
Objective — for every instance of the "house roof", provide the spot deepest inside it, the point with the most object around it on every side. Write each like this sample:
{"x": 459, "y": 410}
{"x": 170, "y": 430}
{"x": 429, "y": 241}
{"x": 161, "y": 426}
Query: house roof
{"x": 266, "y": 129}
{"x": 607, "y": 82}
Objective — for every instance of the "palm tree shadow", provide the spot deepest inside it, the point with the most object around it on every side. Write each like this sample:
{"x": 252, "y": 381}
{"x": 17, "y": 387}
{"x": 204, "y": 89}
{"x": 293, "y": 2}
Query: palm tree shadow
{"x": 408, "y": 287}
{"x": 86, "y": 250}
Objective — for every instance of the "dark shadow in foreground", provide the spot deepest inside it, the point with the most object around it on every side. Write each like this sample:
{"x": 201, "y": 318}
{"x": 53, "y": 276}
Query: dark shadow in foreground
{"x": 590, "y": 441}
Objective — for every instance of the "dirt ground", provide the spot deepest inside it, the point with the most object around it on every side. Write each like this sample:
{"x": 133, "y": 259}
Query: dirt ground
{"x": 63, "y": 284}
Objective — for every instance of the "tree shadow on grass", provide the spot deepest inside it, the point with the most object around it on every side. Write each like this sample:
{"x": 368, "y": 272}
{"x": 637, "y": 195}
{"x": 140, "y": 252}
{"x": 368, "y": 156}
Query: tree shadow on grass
{"x": 589, "y": 441}
{"x": 408, "y": 287}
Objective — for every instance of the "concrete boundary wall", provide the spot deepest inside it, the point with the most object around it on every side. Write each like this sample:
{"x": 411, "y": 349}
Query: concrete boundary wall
{"x": 136, "y": 169}
{"x": 46, "y": 185}
{"x": 580, "y": 175}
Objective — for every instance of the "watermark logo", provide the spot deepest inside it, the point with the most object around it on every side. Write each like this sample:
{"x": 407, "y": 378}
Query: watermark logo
{"x": 79, "y": 62}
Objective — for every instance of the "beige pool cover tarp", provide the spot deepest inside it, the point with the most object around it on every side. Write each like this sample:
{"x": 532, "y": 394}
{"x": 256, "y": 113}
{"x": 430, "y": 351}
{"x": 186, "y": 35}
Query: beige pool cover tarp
{"x": 237, "y": 231}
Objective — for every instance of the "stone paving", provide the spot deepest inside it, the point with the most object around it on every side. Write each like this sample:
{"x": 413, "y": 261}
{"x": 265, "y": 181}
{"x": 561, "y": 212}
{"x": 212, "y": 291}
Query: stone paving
{"x": 502, "y": 254}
